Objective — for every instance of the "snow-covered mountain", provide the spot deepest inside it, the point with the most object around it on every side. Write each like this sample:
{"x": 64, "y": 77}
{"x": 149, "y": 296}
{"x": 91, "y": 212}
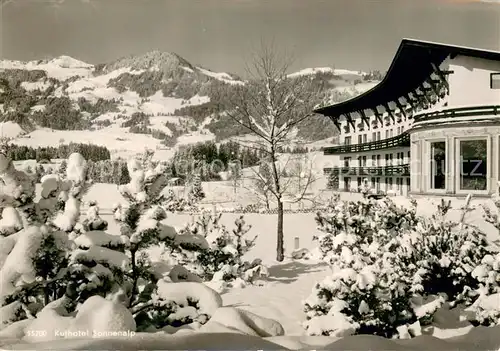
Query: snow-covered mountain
{"x": 154, "y": 100}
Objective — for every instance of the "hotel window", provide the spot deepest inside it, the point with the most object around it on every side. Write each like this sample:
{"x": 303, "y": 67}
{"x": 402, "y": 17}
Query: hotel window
{"x": 387, "y": 134}
{"x": 364, "y": 161}
{"x": 389, "y": 183}
{"x": 399, "y": 130}
{"x": 378, "y": 160}
{"x": 365, "y": 138}
{"x": 473, "y": 164}
{"x": 373, "y": 183}
{"x": 438, "y": 165}
{"x": 347, "y": 140}
{"x": 374, "y": 136}
{"x": 360, "y": 139}
{"x": 347, "y": 183}
{"x": 359, "y": 182}
{"x": 378, "y": 135}
{"x": 402, "y": 129}
{"x": 347, "y": 161}
{"x": 390, "y": 133}
{"x": 495, "y": 80}
{"x": 374, "y": 160}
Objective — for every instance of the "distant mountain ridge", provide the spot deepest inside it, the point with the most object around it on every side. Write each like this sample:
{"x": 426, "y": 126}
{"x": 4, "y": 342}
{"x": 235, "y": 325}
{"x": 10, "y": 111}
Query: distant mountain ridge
{"x": 157, "y": 99}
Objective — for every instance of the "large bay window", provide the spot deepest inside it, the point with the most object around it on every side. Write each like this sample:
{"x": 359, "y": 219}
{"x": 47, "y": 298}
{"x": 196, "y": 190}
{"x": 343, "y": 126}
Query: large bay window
{"x": 473, "y": 168}
{"x": 438, "y": 165}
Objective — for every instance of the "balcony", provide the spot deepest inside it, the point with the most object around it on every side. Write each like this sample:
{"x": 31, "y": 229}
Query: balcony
{"x": 401, "y": 140}
{"x": 471, "y": 111}
{"x": 395, "y": 170}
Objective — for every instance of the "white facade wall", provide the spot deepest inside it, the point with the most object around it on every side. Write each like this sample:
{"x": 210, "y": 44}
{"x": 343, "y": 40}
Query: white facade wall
{"x": 470, "y": 82}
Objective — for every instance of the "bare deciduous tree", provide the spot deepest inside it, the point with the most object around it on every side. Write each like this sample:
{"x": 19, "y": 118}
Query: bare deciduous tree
{"x": 270, "y": 106}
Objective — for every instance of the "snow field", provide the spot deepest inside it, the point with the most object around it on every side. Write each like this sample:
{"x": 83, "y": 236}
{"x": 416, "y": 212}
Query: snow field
{"x": 255, "y": 311}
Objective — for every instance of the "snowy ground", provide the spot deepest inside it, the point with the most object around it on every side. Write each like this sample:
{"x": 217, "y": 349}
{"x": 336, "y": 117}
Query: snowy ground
{"x": 280, "y": 297}
{"x": 291, "y": 281}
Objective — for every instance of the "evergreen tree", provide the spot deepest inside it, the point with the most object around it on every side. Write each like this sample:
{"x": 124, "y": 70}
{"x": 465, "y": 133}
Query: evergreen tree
{"x": 39, "y": 249}
{"x": 124, "y": 174}
{"x": 196, "y": 193}
{"x": 62, "y": 167}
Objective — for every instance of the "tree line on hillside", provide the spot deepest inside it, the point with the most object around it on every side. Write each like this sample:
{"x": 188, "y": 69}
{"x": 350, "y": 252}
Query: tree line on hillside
{"x": 88, "y": 151}
{"x": 209, "y": 158}
{"x": 56, "y": 112}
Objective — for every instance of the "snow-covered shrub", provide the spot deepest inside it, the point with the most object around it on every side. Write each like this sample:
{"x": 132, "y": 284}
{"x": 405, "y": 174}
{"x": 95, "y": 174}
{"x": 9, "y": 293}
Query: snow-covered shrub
{"x": 222, "y": 260}
{"x": 439, "y": 256}
{"x": 383, "y": 257}
{"x": 196, "y": 193}
{"x": 93, "y": 220}
{"x": 62, "y": 167}
{"x": 140, "y": 223}
{"x": 173, "y": 203}
{"x": 33, "y": 266}
{"x": 364, "y": 293}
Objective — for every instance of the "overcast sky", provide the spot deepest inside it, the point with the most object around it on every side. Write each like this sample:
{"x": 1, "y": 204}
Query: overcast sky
{"x": 220, "y": 34}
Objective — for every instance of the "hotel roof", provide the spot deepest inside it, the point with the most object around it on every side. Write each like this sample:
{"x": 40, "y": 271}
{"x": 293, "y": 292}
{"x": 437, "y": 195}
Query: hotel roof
{"x": 413, "y": 64}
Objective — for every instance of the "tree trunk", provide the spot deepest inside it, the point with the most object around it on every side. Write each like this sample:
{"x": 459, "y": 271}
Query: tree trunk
{"x": 280, "y": 250}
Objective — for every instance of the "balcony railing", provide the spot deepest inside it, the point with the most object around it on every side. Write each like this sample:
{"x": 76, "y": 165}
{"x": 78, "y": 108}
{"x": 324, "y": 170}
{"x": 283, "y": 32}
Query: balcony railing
{"x": 394, "y": 170}
{"x": 401, "y": 140}
{"x": 469, "y": 111}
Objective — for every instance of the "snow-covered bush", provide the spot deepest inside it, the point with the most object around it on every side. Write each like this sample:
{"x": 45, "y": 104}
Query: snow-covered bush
{"x": 196, "y": 193}
{"x": 384, "y": 258}
{"x": 93, "y": 220}
{"x": 141, "y": 226}
{"x": 364, "y": 294}
{"x": 223, "y": 260}
{"x": 173, "y": 203}
{"x": 439, "y": 256}
{"x": 35, "y": 246}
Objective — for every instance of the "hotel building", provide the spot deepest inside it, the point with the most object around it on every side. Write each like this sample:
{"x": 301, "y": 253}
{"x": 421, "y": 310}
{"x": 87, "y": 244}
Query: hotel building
{"x": 430, "y": 127}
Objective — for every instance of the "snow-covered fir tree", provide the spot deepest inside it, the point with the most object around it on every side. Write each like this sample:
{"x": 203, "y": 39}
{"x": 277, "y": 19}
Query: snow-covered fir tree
{"x": 391, "y": 269}
{"x": 36, "y": 235}
{"x": 62, "y": 167}
{"x": 196, "y": 193}
{"x": 222, "y": 261}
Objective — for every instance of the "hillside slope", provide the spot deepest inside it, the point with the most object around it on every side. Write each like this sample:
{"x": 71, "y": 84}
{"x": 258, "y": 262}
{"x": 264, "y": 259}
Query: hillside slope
{"x": 156, "y": 100}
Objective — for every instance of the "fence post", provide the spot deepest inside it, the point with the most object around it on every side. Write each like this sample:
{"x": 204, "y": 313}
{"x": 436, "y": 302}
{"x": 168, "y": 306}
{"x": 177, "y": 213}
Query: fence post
{"x": 296, "y": 243}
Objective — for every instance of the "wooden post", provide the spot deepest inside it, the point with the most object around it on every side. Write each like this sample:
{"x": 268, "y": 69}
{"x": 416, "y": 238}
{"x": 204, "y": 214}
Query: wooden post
{"x": 296, "y": 243}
